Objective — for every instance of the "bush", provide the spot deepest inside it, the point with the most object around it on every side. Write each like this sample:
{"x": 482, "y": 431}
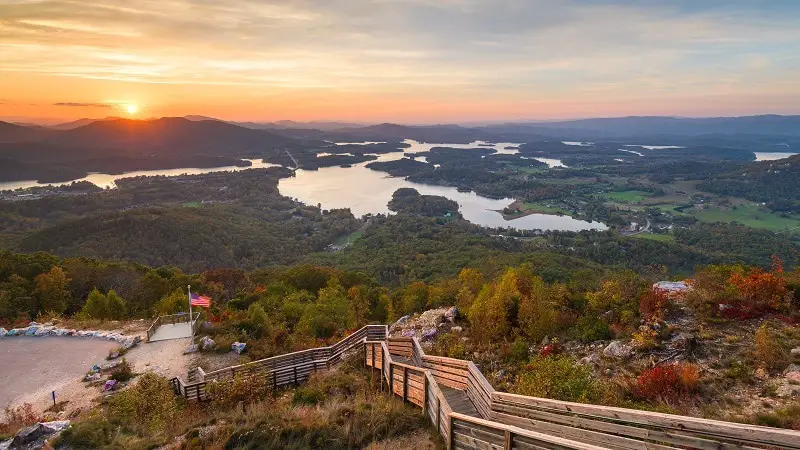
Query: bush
{"x": 769, "y": 351}
{"x": 557, "y": 377}
{"x": 589, "y": 328}
{"x": 243, "y": 388}
{"x": 668, "y": 383}
{"x": 123, "y": 372}
{"x": 782, "y": 418}
{"x": 18, "y": 417}
{"x": 149, "y": 405}
{"x": 449, "y": 345}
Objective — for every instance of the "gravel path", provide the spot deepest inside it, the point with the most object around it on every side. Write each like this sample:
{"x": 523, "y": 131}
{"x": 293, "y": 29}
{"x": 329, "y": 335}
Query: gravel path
{"x": 31, "y": 368}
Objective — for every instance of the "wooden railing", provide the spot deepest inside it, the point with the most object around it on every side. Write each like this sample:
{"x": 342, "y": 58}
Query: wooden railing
{"x": 172, "y": 319}
{"x": 510, "y": 421}
{"x": 282, "y": 370}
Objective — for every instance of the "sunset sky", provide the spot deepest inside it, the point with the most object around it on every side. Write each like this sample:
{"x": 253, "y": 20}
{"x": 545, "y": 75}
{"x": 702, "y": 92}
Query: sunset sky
{"x": 411, "y": 61}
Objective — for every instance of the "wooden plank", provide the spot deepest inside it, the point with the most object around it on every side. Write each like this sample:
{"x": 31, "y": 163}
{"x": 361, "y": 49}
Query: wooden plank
{"x": 467, "y": 442}
{"x": 745, "y": 433}
{"x": 544, "y": 438}
{"x": 605, "y": 440}
{"x": 673, "y": 438}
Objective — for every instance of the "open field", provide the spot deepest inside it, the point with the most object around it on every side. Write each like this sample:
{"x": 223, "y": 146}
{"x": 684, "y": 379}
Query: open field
{"x": 627, "y": 196}
{"x": 656, "y": 237}
{"x": 352, "y": 237}
{"x": 750, "y": 215}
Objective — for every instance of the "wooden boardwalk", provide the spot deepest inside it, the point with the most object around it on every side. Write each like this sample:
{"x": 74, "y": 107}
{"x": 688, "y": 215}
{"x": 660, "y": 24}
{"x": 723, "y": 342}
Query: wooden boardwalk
{"x": 468, "y": 413}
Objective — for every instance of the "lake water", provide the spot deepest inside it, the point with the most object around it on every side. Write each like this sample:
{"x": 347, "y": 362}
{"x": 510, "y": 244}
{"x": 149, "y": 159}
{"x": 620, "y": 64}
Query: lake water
{"x": 105, "y": 180}
{"x": 654, "y": 147}
{"x": 367, "y": 191}
{"x": 772, "y": 156}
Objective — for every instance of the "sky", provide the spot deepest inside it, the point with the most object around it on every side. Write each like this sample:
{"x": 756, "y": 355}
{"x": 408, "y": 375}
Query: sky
{"x": 409, "y": 61}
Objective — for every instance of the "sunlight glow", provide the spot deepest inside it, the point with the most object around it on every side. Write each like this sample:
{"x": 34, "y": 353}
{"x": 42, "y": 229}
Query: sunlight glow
{"x": 131, "y": 108}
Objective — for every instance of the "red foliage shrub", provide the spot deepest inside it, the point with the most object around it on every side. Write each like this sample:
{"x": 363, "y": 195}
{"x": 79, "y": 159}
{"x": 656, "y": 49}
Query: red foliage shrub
{"x": 652, "y": 304}
{"x": 668, "y": 383}
{"x": 760, "y": 292}
{"x": 550, "y": 349}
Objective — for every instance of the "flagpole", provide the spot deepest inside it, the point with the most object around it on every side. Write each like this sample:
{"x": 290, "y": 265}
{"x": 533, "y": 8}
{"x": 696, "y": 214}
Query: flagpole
{"x": 191, "y": 318}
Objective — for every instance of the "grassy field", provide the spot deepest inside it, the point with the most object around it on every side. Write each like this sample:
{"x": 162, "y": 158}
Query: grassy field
{"x": 750, "y": 215}
{"x": 544, "y": 209}
{"x": 656, "y": 237}
{"x": 627, "y": 196}
{"x": 191, "y": 205}
{"x": 342, "y": 240}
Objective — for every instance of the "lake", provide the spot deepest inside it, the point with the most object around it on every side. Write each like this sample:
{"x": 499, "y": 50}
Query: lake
{"x": 367, "y": 191}
{"x": 772, "y": 156}
{"x": 105, "y": 180}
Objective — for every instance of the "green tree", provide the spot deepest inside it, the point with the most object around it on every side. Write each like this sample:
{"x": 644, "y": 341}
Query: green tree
{"x": 96, "y": 305}
{"x": 539, "y": 308}
{"x": 172, "y": 303}
{"x": 359, "y": 305}
{"x": 116, "y": 306}
{"x": 51, "y": 290}
{"x": 414, "y": 298}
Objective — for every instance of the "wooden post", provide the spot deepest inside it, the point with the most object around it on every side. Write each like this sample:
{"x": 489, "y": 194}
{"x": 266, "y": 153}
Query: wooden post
{"x": 438, "y": 415}
{"x": 295, "y": 375}
{"x": 450, "y": 434}
{"x": 508, "y": 440}
{"x": 424, "y": 395}
{"x": 274, "y": 380}
{"x": 405, "y": 383}
{"x": 373, "y": 356}
{"x": 391, "y": 379}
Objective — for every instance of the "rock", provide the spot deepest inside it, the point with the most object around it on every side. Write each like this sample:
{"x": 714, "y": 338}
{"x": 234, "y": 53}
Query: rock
{"x": 591, "y": 360}
{"x": 407, "y": 333}
{"x": 795, "y": 351}
{"x": 34, "y": 436}
{"x": 787, "y": 390}
{"x": 192, "y": 348}
{"x": 430, "y": 333}
{"x": 617, "y": 349}
{"x": 3, "y": 332}
{"x": 206, "y": 343}
{"x": 608, "y": 372}
{"x": 400, "y": 322}
{"x": 451, "y": 314}
{"x": 456, "y": 329}
{"x": 113, "y": 355}
{"x": 500, "y": 374}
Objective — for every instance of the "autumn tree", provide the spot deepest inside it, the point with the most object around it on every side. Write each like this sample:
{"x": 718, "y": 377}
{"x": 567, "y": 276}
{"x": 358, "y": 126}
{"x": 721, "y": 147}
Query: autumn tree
{"x": 359, "y": 305}
{"x": 471, "y": 282}
{"x": 538, "y": 308}
{"x": 51, "y": 290}
{"x": 494, "y": 308}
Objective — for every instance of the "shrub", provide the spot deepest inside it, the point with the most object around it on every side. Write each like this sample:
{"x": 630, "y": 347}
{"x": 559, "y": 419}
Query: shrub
{"x": 449, "y": 345}
{"x": 652, "y": 304}
{"x": 243, "y": 388}
{"x": 788, "y": 417}
{"x": 645, "y": 338}
{"x": 518, "y": 350}
{"x": 123, "y": 372}
{"x": 667, "y": 383}
{"x": 557, "y": 377}
{"x": 148, "y": 405}
{"x": 18, "y": 417}
{"x": 768, "y": 350}
{"x": 589, "y": 328}
{"x": 739, "y": 371}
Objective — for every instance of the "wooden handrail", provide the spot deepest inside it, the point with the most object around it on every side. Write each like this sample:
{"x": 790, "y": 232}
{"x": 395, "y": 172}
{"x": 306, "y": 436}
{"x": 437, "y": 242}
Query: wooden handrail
{"x": 553, "y": 423}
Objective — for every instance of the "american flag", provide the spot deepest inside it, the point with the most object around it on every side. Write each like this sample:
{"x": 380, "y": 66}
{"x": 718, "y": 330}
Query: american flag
{"x": 200, "y": 300}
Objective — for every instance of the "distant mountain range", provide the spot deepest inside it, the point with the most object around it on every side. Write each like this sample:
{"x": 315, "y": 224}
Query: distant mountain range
{"x": 172, "y": 137}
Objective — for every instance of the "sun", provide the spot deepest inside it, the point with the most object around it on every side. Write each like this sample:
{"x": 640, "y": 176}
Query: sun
{"x": 131, "y": 108}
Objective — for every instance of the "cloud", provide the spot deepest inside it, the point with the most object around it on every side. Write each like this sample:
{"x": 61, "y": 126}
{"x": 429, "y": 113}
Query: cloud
{"x": 86, "y": 105}
{"x": 532, "y": 50}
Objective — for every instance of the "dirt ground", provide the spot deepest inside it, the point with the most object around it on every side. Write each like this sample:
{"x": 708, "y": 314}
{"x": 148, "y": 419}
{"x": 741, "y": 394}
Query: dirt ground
{"x": 418, "y": 440}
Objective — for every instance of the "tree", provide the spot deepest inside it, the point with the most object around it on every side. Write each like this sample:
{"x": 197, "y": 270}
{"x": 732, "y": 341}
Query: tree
{"x": 471, "y": 281}
{"x": 538, "y": 310}
{"x": 116, "y": 306}
{"x": 359, "y": 305}
{"x": 51, "y": 290}
{"x": 415, "y": 297}
{"x": 172, "y": 303}
{"x": 494, "y": 309}
{"x": 96, "y": 305}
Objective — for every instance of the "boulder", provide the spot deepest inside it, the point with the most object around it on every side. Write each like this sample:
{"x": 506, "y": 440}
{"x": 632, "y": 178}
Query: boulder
{"x": 429, "y": 333}
{"x": 35, "y": 436}
{"x": 456, "y": 329}
{"x": 617, "y": 349}
{"x": 795, "y": 351}
{"x": 3, "y": 332}
{"x": 206, "y": 343}
{"x": 238, "y": 347}
{"x": 451, "y": 314}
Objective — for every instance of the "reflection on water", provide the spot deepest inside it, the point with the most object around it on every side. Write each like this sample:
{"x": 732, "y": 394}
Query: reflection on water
{"x": 654, "y": 147}
{"x": 551, "y": 162}
{"x": 772, "y": 156}
{"x": 367, "y": 191}
{"x": 105, "y": 180}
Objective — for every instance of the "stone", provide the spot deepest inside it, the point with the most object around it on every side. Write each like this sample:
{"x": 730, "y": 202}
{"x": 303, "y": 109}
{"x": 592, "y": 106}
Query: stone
{"x": 617, "y": 349}
{"x": 206, "y": 343}
{"x": 795, "y": 351}
{"x": 451, "y": 314}
{"x": 35, "y": 436}
{"x": 456, "y": 329}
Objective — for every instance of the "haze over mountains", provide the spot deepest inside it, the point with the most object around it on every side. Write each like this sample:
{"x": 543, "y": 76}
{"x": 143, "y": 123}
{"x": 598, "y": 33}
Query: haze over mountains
{"x": 122, "y": 144}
